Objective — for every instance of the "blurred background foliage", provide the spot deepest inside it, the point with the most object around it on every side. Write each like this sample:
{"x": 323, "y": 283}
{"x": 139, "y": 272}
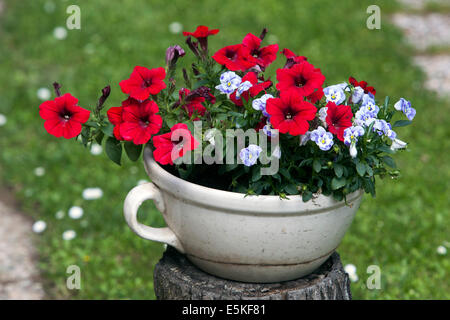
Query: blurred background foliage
{"x": 399, "y": 230}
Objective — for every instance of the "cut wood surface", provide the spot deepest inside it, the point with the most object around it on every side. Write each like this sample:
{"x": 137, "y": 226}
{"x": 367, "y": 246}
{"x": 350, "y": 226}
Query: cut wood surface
{"x": 176, "y": 278}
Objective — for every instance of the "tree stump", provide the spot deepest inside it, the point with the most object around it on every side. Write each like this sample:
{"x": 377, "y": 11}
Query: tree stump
{"x": 176, "y": 278}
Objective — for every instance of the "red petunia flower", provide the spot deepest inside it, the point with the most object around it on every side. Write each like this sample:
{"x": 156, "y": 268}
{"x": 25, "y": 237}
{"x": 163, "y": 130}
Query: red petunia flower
{"x": 115, "y": 116}
{"x": 63, "y": 117}
{"x": 303, "y": 78}
{"x": 290, "y": 113}
{"x": 363, "y": 85}
{"x": 292, "y": 58}
{"x": 174, "y": 144}
{"x": 256, "y": 88}
{"x": 264, "y": 56}
{"x": 143, "y": 82}
{"x": 338, "y": 119}
{"x": 201, "y": 32}
{"x": 140, "y": 121}
{"x": 236, "y": 57}
{"x": 316, "y": 95}
{"x": 191, "y": 104}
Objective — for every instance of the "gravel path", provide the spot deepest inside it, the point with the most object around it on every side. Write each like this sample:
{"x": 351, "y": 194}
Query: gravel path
{"x": 425, "y": 31}
{"x": 19, "y": 275}
{"x": 420, "y": 4}
{"x": 438, "y": 70}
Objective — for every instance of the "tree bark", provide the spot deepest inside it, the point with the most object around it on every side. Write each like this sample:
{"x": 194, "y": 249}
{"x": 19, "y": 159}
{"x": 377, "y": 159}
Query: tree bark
{"x": 176, "y": 278}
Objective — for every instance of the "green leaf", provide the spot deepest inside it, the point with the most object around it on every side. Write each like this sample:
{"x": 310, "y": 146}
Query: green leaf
{"x": 113, "y": 149}
{"x": 221, "y": 116}
{"x": 92, "y": 124}
{"x": 386, "y": 149}
{"x": 285, "y": 173}
{"x": 361, "y": 168}
{"x": 108, "y": 130}
{"x": 256, "y": 174}
{"x": 200, "y": 83}
{"x": 229, "y": 167}
{"x": 338, "y": 170}
{"x": 185, "y": 173}
{"x": 170, "y": 121}
{"x": 133, "y": 151}
{"x": 401, "y": 123}
{"x": 99, "y": 137}
{"x": 369, "y": 170}
{"x": 291, "y": 189}
{"x": 389, "y": 161}
{"x": 85, "y": 133}
{"x": 317, "y": 166}
{"x": 369, "y": 186}
{"x": 337, "y": 183}
{"x": 306, "y": 196}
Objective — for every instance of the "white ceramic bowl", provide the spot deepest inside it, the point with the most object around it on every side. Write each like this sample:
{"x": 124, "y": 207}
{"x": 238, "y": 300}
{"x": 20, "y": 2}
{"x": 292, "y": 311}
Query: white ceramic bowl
{"x": 250, "y": 239}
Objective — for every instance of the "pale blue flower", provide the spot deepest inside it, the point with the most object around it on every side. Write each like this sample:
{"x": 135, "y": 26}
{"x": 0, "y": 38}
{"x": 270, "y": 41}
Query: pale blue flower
{"x": 404, "y": 106}
{"x": 398, "y": 144}
{"x": 364, "y": 118}
{"x": 344, "y": 86}
{"x": 323, "y": 115}
{"x": 250, "y": 155}
{"x": 304, "y": 138}
{"x": 391, "y": 134}
{"x": 353, "y": 151}
{"x": 368, "y": 98}
{"x": 260, "y": 104}
{"x": 352, "y": 133}
{"x": 368, "y": 104}
{"x": 334, "y": 94}
{"x": 229, "y": 81}
{"x": 269, "y": 130}
{"x": 380, "y": 126}
{"x": 244, "y": 86}
{"x": 357, "y": 95}
{"x": 322, "y": 138}
{"x": 383, "y": 127}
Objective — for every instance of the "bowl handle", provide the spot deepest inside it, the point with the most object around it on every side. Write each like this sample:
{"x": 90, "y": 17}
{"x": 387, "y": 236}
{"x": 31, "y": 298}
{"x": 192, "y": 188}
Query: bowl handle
{"x": 134, "y": 199}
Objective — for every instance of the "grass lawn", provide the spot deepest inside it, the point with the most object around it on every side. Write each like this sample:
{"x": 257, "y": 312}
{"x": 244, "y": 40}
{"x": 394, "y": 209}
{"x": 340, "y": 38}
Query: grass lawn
{"x": 398, "y": 231}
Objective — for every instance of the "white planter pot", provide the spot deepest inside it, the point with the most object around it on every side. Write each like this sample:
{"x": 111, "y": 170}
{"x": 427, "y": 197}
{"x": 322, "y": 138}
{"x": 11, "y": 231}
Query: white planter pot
{"x": 250, "y": 239}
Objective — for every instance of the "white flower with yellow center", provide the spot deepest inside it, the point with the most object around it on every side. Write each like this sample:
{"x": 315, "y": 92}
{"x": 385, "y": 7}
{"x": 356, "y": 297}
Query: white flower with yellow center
{"x": 229, "y": 82}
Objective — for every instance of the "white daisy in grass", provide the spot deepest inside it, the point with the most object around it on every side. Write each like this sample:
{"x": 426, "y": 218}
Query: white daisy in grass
{"x": 441, "y": 250}
{"x": 175, "y": 27}
{"x": 96, "y": 149}
{"x": 69, "y": 235}
{"x": 92, "y": 193}
{"x": 43, "y": 94}
{"x": 39, "y": 226}
{"x": 39, "y": 171}
{"x": 60, "y": 214}
{"x": 76, "y": 212}
{"x": 60, "y": 33}
{"x": 350, "y": 269}
{"x": 3, "y": 120}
